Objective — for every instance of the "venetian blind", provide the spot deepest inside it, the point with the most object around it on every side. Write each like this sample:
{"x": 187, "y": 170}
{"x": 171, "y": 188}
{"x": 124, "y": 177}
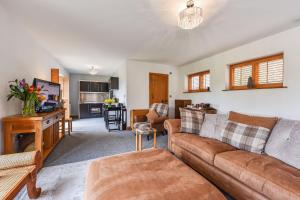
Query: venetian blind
{"x": 270, "y": 72}
{"x": 241, "y": 75}
{"x": 206, "y": 80}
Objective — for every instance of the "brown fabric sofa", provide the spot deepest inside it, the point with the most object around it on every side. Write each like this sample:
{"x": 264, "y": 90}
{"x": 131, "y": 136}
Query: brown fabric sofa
{"x": 242, "y": 174}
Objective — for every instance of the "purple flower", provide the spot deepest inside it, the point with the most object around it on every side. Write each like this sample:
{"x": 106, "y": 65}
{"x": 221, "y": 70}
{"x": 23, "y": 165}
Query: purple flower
{"x": 22, "y": 83}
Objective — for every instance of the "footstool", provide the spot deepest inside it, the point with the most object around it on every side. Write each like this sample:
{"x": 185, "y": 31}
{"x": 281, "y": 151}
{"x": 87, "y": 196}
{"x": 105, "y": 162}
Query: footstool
{"x": 149, "y": 175}
{"x": 139, "y": 132}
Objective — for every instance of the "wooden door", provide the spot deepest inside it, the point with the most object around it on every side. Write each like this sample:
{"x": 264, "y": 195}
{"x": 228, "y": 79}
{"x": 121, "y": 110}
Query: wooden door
{"x": 158, "y": 88}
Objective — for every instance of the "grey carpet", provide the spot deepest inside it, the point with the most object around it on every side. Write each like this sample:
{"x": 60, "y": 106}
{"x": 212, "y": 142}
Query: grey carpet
{"x": 91, "y": 140}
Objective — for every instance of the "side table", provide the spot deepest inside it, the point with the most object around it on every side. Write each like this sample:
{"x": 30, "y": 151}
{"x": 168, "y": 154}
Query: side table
{"x": 144, "y": 131}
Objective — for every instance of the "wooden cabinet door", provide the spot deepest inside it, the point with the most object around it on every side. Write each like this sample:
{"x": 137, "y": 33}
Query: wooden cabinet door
{"x": 84, "y": 111}
{"x": 95, "y": 86}
{"x": 85, "y": 86}
{"x": 104, "y": 87}
{"x": 181, "y": 104}
{"x": 114, "y": 83}
{"x": 158, "y": 88}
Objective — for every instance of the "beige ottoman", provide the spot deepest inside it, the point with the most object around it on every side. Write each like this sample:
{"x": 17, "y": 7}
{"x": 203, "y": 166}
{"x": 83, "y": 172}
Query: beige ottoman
{"x": 150, "y": 174}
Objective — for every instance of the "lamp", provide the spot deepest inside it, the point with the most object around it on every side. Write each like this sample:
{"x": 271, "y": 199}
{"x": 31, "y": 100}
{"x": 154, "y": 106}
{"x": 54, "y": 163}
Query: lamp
{"x": 191, "y": 17}
{"x": 93, "y": 70}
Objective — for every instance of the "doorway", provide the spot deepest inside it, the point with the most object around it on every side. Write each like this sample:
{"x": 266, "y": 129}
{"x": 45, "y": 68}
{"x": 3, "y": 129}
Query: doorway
{"x": 158, "y": 88}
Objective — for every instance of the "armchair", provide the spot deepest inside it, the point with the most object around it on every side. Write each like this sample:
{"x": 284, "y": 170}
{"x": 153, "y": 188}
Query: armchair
{"x": 19, "y": 169}
{"x": 154, "y": 117}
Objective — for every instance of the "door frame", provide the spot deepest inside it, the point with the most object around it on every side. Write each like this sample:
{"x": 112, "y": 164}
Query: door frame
{"x": 150, "y": 89}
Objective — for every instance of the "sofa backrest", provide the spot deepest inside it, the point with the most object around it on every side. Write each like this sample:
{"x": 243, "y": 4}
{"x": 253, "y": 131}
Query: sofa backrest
{"x": 284, "y": 142}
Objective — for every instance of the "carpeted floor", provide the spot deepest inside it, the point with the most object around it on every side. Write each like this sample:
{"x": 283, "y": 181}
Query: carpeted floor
{"x": 91, "y": 140}
{"x": 63, "y": 176}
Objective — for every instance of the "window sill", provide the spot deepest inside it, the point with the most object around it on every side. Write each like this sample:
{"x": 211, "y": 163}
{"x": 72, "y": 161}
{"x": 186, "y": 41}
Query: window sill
{"x": 255, "y": 88}
{"x": 188, "y": 92}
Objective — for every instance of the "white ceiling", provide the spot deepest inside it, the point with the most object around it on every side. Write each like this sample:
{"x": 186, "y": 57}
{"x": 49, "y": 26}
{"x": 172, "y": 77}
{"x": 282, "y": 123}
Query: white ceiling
{"x": 106, "y": 33}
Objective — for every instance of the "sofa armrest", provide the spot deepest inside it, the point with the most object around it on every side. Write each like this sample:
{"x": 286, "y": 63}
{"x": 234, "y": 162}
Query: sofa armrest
{"x": 20, "y": 160}
{"x": 172, "y": 126}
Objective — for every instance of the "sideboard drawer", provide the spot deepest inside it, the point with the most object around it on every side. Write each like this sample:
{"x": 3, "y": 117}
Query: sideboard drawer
{"x": 47, "y": 123}
{"x": 58, "y": 117}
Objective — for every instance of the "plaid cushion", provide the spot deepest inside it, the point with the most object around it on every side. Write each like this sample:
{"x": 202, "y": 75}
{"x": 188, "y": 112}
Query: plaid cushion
{"x": 191, "y": 121}
{"x": 245, "y": 137}
{"x": 160, "y": 108}
{"x": 141, "y": 125}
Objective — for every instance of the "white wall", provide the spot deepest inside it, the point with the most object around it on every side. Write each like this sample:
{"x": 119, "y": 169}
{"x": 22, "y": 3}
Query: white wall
{"x": 277, "y": 102}
{"x": 20, "y": 57}
{"x": 74, "y": 88}
{"x": 121, "y": 93}
{"x": 138, "y": 84}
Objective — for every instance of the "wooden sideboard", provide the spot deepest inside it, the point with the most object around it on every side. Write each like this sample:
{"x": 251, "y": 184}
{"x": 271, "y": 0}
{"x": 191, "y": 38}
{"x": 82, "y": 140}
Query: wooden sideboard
{"x": 181, "y": 103}
{"x": 44, "y": 126}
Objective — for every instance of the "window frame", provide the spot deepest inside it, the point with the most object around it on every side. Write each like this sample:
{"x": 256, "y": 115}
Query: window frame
{"x": 255, "y": 73}
{"x": 201, "y": 76}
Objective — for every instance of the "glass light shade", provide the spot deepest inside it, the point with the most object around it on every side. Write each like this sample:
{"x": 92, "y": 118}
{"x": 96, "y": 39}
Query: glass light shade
{"x": 190, "y": 18}
{"x": 93, "y": 71}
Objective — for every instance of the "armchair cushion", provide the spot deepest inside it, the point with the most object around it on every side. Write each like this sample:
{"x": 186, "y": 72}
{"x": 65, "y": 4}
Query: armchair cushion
{"x": 10, "y": 178}
{"x": 160, "y": 108}
{"x": 18, "y": 160}
{"x": 141, "y": 125}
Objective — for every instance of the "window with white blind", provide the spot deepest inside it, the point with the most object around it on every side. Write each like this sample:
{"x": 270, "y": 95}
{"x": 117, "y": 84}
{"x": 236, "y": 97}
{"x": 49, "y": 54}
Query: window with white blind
{"x": 206, "y": 79}
{"x": 265, "y": 73}
{"x": 241, "y": 75}
{"x": 199, "y": 82}
{"x": 270, "y": 72}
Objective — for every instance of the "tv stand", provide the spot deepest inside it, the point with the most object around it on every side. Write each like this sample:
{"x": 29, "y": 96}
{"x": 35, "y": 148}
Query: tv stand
{"x": 44, "y": 126}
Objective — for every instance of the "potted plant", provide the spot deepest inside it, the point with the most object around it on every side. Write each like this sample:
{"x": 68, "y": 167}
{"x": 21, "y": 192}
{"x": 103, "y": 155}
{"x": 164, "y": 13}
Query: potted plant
{"x": 30, "y": 95}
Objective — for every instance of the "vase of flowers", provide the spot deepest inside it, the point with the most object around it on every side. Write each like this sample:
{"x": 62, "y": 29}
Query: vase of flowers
{"x": 30, "y": 95}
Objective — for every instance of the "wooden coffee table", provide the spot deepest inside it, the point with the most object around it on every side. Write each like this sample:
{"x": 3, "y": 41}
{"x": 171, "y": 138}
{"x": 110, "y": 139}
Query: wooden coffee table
{"x": 149, "y": 175}
{"x": 138, "y": 137}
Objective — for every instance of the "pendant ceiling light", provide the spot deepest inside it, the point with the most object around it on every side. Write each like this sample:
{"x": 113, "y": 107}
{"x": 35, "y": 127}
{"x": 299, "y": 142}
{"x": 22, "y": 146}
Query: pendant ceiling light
{"x": 191, "y": 17}
{"x": 93, "y": 70}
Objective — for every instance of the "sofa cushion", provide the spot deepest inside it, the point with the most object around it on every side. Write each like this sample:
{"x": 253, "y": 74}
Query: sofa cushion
{"x": 204, "y": 148}
{"x": 221, "y": 124}
{"x": 212, "y": 125}
{"x": 208, "y": 128}
{"x": 191, "y": 121}
{"x": 266, "y": 122}
{"x": 284, "y": 142}
{"x": 262, "y": 173}
{"x": 245, "y": 137}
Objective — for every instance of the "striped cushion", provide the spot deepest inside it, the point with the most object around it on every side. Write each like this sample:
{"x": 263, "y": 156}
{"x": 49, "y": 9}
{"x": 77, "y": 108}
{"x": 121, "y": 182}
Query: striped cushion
{"x": 160, "y": 108}
{"x": 245, "y": 137}
{"x": 10, "y": 178}
{"x": 17, "y": 160}
{"x": 141, "y": 125}
{"x": 191, "y": 121}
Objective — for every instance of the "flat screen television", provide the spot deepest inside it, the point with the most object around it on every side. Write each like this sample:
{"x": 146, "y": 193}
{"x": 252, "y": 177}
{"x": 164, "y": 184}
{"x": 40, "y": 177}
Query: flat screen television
{"x": 52, "y": 93}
